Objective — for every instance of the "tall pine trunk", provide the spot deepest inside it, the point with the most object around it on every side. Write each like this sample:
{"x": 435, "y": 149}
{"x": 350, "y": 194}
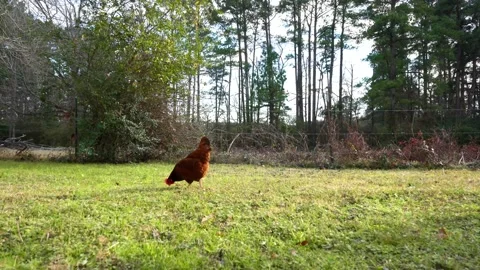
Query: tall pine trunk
{"x": 252, "y": 84}
{"x": 475, "y": 92}
{"x": 229, "y": 93}
{"x": 392, "y": 73}
{"x": 309, "y": 76}
{"x": 298, "y": 63}
{"x": 198, "y": 93}
{"x": 241, "y": 100}
{"x": 340, "y": 76}
{"x": 330, "y": 122}
{"x": 247, "y": 115}
{"x": 314, "y": 78}
{"x": 189, "y": 98}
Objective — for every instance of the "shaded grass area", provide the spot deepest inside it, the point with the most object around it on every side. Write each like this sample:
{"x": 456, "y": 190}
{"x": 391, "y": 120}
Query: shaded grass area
{"x": 61, "y": 216}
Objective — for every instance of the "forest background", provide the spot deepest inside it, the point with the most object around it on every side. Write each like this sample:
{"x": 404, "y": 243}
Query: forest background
{"x": 267, "y": 81}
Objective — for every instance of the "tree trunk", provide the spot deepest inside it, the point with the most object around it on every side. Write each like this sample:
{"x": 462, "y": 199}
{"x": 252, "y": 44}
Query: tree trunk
{"x": 330, "y": 121}
{"x": 175, "y": 101}
{"x": 450, "y": 96}
{"x": 216, "y": 97}
{"x": 189, "y": 97}
{"x": 298, "y": 62}
{"x": 351, "y": 98}
{"x": 241, "y": 100}
{"x": 314, "y": 77}
{"x": 392, "y": 74}
{"x": 247, "y": 115}
{"x": 222, "y": 83}
{"x": 252, "y": 85}
{"x": 229, "y": 93}
{"x": 309, "y": 77}
{"x": 194, "y": 97}
{"x": 273, "y": 114}
{"x": 459, "y": 70}
{"x": 340, "y": 76}
{"x": 425, "y": 74}
{"x": 13, "y": 115}
{"x": 474, "y": 91}
{"x": 198, "y": 93}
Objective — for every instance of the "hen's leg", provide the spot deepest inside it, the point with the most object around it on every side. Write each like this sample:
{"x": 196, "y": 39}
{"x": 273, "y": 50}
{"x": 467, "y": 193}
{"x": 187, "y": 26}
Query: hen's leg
{"x": 200, "y": 182}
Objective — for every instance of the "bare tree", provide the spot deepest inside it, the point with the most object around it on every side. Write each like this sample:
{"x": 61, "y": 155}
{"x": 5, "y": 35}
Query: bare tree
{"x": 23, "y": 70}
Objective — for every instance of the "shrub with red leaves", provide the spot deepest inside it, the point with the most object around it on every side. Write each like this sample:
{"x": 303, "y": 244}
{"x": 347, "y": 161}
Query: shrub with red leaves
{"x": 471, "y": 152}
{"x": 351, "y": 148}
{"x": 444, "y": 147}
{"x": 441, "y": 149}
{"x": 356, "y": 141}
{"x": 416, "y": 149}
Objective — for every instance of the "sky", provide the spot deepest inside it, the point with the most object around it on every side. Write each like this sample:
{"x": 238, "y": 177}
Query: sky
{"x": 352, "y": 57}
{"x": 355, "y": 57}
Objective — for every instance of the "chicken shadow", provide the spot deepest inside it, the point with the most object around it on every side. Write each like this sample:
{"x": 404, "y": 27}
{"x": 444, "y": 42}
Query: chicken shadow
{"x": 143, "y": 189}
{"x": 114, "y": 191}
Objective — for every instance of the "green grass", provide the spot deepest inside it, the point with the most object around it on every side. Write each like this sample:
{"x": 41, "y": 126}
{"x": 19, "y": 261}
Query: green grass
{"x": 62, "y": 216}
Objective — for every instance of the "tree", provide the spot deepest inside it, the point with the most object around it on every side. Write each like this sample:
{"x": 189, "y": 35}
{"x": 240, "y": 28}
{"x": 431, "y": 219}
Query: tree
{"x": 270, "y": 86}
{"x": 389, "y": 58}
{"x": 239, "y": 13}
{"x": 125, "y": 61}
{"x": 295, "y": 8}
{"x": 216, "y": 64}
{"x": 22, "y": 68}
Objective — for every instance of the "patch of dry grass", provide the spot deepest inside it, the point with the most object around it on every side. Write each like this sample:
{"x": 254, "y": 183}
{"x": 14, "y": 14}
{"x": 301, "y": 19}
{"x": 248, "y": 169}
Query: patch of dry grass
{"x": 35, "y": 153}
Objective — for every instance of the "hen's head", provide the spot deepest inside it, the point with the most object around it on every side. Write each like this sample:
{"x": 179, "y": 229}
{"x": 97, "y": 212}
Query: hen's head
{"x": 204, "y": 143}
{"x": 169, "y": 181}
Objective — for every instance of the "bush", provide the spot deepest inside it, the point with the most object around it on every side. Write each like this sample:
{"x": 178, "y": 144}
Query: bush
{"x": 416, "y": 149}
{"x": 471, "y": 152}
{"x": 440, "y": 149}
{"x": 351, "y": 149}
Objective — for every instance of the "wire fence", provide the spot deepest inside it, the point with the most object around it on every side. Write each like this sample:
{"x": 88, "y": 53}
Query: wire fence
{"x": 366, "y": 138}
{"x": 61, "y": 133}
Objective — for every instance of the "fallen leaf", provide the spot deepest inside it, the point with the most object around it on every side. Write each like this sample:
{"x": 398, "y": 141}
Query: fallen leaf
{"x": 57, "y": 264}
{"x": 303, "y": 243}
{"x": 274, "y": 256}
{"x": 442, "y": 233}
{"x": 102, "y": 255}
{"x": 155, "y": 234}
{"x": 206, "y": 218}
{"x": 102, "y": 240}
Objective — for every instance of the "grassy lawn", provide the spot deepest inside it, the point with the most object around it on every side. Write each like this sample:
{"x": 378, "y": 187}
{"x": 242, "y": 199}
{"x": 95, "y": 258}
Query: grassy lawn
{"x": 62, "y": 216}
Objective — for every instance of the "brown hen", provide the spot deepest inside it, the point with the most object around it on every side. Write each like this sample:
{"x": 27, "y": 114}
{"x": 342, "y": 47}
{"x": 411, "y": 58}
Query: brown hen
{"x": 194, "y": 167}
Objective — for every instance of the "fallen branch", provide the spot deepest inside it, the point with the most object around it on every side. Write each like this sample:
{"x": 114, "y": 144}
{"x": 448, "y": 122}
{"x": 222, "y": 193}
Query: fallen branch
{"x": 230, "y": 146}
{"x": 16, "y": 143}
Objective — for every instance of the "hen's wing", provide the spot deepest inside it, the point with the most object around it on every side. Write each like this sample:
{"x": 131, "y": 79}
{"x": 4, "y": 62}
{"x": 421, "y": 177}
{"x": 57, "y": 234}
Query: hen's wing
{"x": 190, "y": 169}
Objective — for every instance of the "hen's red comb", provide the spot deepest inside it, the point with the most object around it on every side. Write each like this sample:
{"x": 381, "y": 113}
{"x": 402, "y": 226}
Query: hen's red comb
{"x": 169, "y": 181}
